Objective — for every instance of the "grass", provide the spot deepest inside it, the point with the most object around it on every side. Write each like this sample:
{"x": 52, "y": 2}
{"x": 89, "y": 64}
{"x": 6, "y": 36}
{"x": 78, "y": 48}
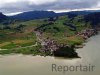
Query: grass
{"x": 8, "y": 46}
{"x": 75, "y": 40}
{"x": 28, "y": 50}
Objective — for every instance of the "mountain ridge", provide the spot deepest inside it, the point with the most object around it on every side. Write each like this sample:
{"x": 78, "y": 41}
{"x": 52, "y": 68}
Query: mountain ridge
{"x": 45, "y": 14}
{"x": 2, "y": 16}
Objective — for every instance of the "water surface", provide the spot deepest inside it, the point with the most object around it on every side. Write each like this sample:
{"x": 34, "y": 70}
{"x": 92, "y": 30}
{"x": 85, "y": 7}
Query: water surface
{"x": 36, "y": 65}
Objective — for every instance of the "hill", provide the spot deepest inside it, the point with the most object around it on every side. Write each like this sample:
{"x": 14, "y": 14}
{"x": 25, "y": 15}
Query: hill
{"x": 39, "y": 36}
{"x": 31, "y": 15}
{"x": 2, "y": 17}
{"x": 34, "y": 15}
{"x": 93, "y": 18}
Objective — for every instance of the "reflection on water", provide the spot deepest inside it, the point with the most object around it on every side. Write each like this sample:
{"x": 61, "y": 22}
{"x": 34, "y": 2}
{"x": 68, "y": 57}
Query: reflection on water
{"x": 36, "y": 65}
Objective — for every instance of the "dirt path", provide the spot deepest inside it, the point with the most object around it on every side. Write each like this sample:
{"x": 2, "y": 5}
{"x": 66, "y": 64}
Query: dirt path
{"x": 23, "y": 47}
{"x": 27, "y": 46}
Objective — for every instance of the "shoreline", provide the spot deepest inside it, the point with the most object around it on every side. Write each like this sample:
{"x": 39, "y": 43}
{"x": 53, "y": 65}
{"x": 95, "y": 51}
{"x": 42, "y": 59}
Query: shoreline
{"x": 55, "y": 49}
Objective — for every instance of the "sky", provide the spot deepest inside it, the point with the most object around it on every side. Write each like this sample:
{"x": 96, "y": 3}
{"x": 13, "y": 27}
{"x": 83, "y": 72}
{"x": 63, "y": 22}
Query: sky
{"x": 11, "y": 7}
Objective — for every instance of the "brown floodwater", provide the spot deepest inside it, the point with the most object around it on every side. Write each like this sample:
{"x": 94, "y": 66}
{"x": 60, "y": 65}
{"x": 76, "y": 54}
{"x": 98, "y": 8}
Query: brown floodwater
{"x": 37, "y": 65}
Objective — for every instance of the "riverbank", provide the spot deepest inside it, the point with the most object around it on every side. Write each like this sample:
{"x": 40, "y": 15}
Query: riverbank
{"x": 50, "y": 47}
{"x": 53, "y": 48}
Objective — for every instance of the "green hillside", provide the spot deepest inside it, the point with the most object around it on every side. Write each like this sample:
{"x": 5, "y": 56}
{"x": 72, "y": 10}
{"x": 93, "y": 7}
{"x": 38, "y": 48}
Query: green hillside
{"x": 18, "y": 36}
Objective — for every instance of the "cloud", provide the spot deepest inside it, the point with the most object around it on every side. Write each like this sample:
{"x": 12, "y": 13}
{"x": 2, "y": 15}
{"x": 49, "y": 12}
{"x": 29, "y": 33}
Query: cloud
{"x": 14, "y": 6}
{"x": 40, "y": 2}
{"x": 34, "y": 2}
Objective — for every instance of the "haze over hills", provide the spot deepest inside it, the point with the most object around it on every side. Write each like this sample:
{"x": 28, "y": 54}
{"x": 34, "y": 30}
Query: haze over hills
{"x": 30, "y": 15}
{"x": 45, "y": 14}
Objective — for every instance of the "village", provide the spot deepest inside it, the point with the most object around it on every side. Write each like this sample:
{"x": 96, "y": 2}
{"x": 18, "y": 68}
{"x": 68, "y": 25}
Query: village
{"x": 51, "y": 47}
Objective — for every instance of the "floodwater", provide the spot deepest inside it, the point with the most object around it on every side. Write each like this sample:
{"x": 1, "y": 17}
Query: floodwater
{"x": 37, "y": 65}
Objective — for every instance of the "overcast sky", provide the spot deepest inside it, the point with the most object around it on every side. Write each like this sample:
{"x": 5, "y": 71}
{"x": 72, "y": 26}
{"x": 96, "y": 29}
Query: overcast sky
{"x": 15, "y": 6}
